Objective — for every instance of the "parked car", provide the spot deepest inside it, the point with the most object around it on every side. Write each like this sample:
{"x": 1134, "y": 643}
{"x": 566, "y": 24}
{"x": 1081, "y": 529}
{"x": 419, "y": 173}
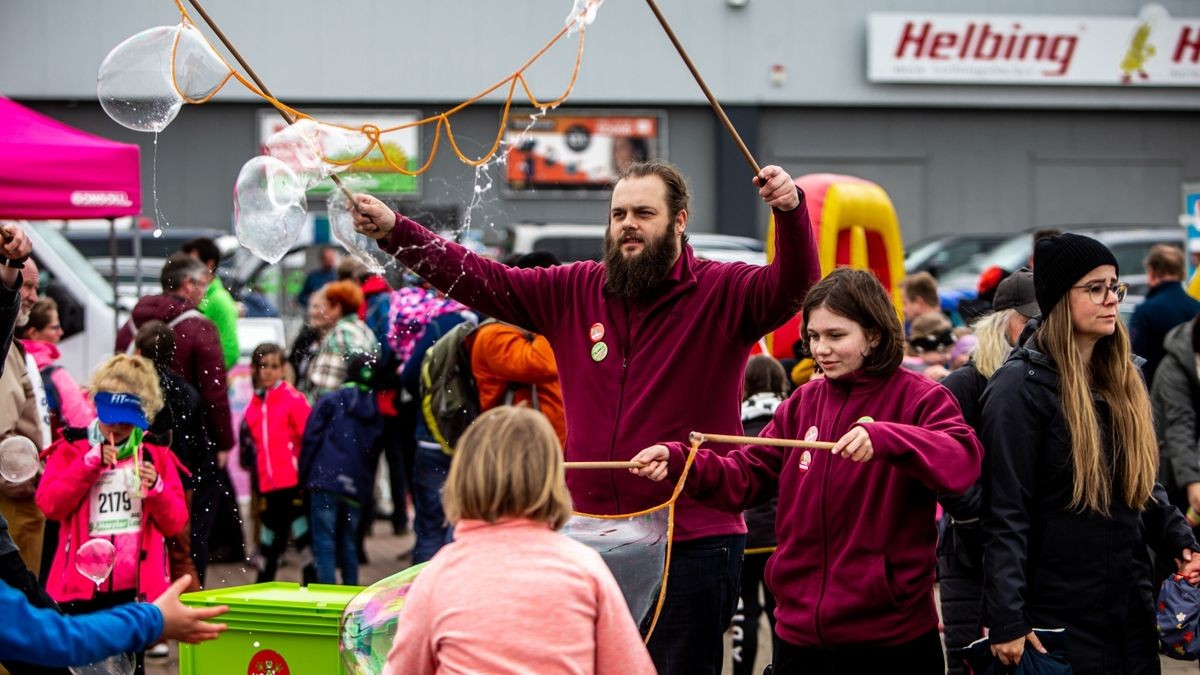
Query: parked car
{"x": 1129, "y": 244}
{"x": 570, "y": 243}
{"x": 938, "y": 254}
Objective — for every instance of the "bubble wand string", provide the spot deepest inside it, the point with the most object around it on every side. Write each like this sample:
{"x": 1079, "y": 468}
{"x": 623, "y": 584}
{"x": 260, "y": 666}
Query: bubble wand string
{"x": 698, "y": 437}
{"x": 287, "y": 116}
{"x": 712, "y": 100}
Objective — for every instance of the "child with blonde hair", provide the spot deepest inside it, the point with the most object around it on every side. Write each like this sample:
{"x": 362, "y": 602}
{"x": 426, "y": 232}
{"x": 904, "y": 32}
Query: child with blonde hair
{"x": 105, "y": 481}
{"x": 511, "y": 594}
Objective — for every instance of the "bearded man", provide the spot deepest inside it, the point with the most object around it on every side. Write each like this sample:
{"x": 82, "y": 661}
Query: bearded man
{"x": 650, "y": 344}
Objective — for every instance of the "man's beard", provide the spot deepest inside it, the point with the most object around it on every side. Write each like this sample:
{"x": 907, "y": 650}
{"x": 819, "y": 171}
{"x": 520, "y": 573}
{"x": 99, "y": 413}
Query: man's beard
{"x": 23, "y": 316}
{"x": 644, "y": 274}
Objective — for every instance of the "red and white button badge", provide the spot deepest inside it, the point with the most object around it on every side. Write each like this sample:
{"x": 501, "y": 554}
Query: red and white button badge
{"x": 806, "y": 456}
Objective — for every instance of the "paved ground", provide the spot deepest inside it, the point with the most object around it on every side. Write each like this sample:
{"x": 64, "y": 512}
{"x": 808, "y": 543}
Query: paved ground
{"x": 389, "y": 554}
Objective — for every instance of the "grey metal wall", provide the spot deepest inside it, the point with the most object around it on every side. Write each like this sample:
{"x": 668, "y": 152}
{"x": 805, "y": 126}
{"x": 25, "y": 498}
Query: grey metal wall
{"x": 448, "y": 50}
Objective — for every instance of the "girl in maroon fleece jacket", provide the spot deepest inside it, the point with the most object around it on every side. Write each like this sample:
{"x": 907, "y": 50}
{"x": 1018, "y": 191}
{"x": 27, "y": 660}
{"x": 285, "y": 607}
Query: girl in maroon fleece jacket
{"x": 854, "y": 571}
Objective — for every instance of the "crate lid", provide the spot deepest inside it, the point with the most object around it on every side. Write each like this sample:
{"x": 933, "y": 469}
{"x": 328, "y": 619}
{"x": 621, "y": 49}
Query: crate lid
{"x": 277, "y": 596}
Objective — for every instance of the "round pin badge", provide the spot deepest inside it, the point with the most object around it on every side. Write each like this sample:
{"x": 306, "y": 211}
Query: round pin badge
{"x": 811, "y": 434}
{"x": 865, "y": 419}
{"x": 805, "y": 461}
{"x": 596, "y": 332}
{"x": 599, "y": 351}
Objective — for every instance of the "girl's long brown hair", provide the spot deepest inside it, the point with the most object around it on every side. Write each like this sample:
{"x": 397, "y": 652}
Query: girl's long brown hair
{"x": 1134, "y": 456}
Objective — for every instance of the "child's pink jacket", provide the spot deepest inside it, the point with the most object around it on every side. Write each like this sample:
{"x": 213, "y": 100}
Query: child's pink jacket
{"x": 63, "y": 496}
{"x": 277, "y": 426}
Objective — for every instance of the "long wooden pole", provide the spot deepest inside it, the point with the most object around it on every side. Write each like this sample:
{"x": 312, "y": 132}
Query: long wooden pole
{"x": 261, "y": 85}
{"x": 712, "y": 100}
{"x": 698, "y": 437}
{"x": 603, "y": 465}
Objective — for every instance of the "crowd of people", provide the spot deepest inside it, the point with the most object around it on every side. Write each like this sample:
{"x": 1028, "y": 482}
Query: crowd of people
{"x": 1026, "y": 451}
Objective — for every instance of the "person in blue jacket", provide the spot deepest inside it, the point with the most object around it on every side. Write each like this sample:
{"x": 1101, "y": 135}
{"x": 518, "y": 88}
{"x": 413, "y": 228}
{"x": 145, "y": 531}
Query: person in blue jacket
{"x": 343, "y": 433}
{"x": 47, "y": 638}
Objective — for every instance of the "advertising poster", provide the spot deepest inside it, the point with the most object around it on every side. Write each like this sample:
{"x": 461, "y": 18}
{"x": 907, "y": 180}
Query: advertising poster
{"x": 579, "y": 153}
{"x": 372, "y": 173}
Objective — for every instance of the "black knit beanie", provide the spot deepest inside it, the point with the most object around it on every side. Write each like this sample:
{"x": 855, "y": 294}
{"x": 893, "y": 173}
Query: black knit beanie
{"x": 1059, "y": 262}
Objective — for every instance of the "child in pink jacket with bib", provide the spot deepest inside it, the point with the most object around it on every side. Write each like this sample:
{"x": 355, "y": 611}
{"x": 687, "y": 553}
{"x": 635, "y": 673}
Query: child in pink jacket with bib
{"x": 106, "y": 482}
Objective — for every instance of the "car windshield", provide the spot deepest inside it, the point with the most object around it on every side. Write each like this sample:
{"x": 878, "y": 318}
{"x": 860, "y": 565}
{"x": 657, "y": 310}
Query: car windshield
{"x": 923, "y": 252}
{"x": 1011, "y": 255}
{"x": 74, "y": 259}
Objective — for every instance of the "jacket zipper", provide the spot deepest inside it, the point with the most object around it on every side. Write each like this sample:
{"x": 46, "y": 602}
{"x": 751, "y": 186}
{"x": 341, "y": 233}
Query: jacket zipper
{"x": 612, "y": 445}
{"x": 837, "y": 424}
{"x": 266, "y": 442}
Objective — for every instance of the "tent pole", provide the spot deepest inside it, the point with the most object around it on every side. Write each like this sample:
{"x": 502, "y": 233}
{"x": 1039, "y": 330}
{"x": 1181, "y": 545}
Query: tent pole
{"x": 112, "y": 250}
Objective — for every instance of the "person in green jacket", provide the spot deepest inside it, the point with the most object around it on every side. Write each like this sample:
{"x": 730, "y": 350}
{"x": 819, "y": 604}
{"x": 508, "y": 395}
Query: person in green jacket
{"x": 218, "y": 305}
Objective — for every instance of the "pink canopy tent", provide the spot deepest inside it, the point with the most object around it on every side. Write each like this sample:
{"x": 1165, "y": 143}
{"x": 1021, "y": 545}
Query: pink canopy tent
{"x": 49, "y": 170}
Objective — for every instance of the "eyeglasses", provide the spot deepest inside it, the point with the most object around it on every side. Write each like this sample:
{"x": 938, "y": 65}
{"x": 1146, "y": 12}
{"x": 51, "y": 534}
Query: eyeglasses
{"x": 1098, "y": 291}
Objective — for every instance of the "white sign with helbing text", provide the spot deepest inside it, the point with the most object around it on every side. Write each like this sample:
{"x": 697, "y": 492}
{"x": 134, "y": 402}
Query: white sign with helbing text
{"x": 1151, "y": 49}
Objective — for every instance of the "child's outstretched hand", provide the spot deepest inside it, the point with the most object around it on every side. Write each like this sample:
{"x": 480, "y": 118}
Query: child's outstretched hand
{"x": 1189, "y": 566}
{"x": 183, "y": 623}
{"x": 654, "y": 462}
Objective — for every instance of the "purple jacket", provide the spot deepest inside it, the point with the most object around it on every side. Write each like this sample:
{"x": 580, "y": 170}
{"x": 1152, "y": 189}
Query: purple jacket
{"x": 855, "y": 563}
{"x": 672, "y": 366}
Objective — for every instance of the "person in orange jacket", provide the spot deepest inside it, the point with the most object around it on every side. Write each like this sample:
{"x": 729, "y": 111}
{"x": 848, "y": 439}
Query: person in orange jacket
{"x": 513, "y": 366}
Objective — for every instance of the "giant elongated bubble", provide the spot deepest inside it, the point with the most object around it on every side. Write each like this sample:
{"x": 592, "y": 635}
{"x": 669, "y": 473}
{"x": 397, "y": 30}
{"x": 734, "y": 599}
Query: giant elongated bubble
{"x": 269, "y": 208}
{"x": 360, "y": 246}
{"x": 18, "y": 459}
{"x": 635, "y": 550}
{"x": 117, "y": 664}
{"x": 136, "y": 86}
{"x": 95, "y": 559}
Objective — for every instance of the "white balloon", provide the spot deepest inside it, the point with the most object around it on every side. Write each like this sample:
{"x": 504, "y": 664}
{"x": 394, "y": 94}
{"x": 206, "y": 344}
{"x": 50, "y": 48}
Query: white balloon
{"x": 95, "y": 559}
{"x": 269, "y": 207}
{"x": 360, "y": 246}
{"x": 18, "y": 459}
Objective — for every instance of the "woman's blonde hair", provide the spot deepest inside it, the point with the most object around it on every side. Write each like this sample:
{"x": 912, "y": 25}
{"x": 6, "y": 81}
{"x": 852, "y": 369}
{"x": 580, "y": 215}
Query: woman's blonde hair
{"x": 508, "y": 463}
{"x": 1134, "y": 455}
{"x": 991, "y": 342}
{"x": 126, "y": 374}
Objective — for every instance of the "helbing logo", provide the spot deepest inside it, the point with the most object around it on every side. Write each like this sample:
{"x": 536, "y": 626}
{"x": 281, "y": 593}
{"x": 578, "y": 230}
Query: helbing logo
{"x": 984, "y": 42}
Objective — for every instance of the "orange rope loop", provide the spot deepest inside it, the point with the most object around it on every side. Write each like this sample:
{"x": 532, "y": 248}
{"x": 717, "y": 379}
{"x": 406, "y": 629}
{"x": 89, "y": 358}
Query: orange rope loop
{"x": 374, "y": 133}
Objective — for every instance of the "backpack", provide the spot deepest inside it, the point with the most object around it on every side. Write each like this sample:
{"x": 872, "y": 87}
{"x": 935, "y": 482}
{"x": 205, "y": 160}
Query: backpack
{"x": 449, "y": 395}
{"x": 133, "y": 327}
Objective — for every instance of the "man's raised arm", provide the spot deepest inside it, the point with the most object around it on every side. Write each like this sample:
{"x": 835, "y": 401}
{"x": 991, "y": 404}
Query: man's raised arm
{"x": 520, "y": 296}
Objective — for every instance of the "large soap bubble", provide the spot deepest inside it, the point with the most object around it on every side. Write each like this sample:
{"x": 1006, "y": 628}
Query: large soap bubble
{"x": 135, "y": 83}
{"x": 18, "y": 459}
{"x": 360, "y": 246}
{"x": 342, "y": 145}
{"x": 298, "y": 146}
{"x": 269, "y": 208}
{"x": 368, "y": 624}
{"x": 199, "y": 71}
{"x": 635, "y": 550}
{"x": 117, "y": 664}
{"x": 95, "y": 559}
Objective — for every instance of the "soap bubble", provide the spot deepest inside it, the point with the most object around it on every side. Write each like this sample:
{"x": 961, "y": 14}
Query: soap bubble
{"x": 95, "y": 559}
{"x": 299, "y": 147}
{"x": 342, "y": 145}
{"x": 269, "y": 208}
{"x": 368, "y": 624}
{"x": 18, "y": 459}
{"x": 360, "y": 246}
{"x": 135, "y": 83}
{"x": 583, "y": 13}
{"x": 117, "y": 664}
{"x": 199, "y": 71}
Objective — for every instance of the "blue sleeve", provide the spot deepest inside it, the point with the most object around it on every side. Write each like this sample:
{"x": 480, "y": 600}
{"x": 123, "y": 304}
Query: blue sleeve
{"x": 410, "y": 375}
{"x": 54, "y": 640}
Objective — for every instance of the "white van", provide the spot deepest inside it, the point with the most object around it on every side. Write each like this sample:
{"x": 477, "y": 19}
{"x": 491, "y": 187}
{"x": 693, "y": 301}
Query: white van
{"x": 85, "y": 299}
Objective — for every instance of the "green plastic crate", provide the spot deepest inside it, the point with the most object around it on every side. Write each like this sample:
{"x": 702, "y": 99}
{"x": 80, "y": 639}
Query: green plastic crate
{"x": 270, "y": 625}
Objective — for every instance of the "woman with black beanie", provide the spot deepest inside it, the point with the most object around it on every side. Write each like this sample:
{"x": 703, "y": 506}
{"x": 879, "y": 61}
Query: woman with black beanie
{"x": 1071, "y": 500}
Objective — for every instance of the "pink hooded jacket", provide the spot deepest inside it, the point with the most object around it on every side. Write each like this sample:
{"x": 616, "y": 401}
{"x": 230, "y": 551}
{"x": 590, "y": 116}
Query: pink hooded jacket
{"x": 63, "y": 496}
{"x": 277, "y": 426}
{"x": 77, "y": 410}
